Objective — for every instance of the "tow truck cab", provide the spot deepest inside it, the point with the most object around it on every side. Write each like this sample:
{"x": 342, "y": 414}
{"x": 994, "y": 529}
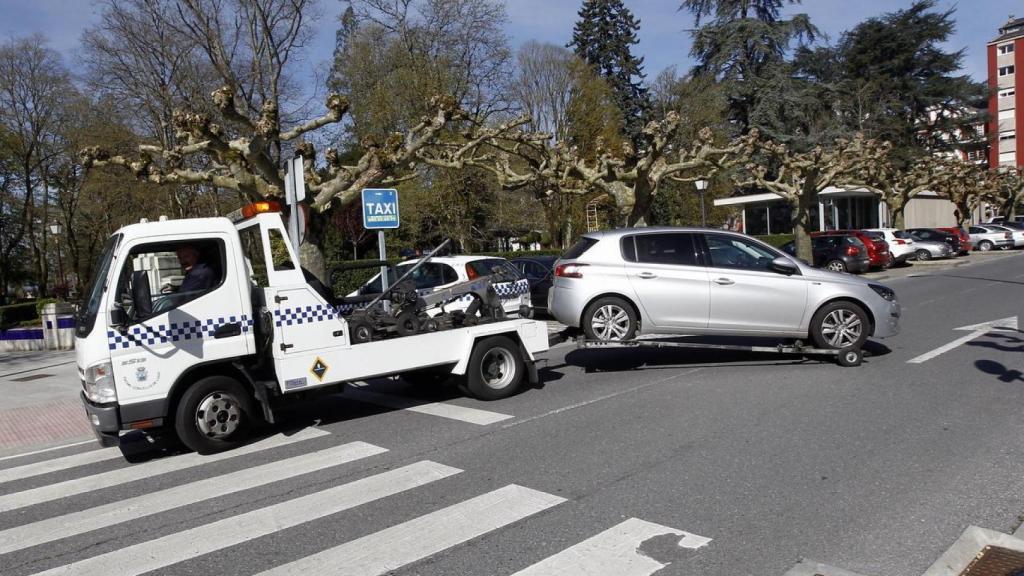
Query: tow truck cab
{"x": 201, "y": 324}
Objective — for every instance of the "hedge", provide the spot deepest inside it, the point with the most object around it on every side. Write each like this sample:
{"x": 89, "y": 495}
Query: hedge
{"x": 16, "y": 314}
{"x": 776, "y": 240}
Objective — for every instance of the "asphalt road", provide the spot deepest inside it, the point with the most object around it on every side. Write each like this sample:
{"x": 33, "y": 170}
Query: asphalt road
{"x": 875, "y": 469}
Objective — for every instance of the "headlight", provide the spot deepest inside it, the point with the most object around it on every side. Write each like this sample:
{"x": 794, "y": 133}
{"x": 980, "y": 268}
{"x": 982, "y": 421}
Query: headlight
{"x": 884, "y": 292}
{"x": 99, "y": 383}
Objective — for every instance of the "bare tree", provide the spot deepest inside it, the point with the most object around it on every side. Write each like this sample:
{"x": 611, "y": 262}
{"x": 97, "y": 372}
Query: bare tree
{"x": 1011, "y": 191}
{"x": 34, "y": 88}
{"x": 136, "y": 60}
{"x": 897, "y": 182}
{"x": 798, "y": 177}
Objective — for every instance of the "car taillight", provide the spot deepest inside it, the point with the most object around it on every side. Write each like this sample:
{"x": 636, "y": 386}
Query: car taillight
{"x": 900, "y": 242}
{"x": 852, "y": 251}
{"x": 569, "y": 270}
{"x": 471, "y": 273}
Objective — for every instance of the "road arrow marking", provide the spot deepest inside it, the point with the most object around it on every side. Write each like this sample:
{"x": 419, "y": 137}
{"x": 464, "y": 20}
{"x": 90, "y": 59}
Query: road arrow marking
{"x": 976, "y": 331}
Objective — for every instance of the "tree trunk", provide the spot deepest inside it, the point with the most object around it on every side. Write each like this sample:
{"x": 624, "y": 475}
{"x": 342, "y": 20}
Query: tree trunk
{"x": 642, "y": 201}
{"x": 311, "y": 252}
{"x": 802, "y": 221}
{"x": 898, "y": 217}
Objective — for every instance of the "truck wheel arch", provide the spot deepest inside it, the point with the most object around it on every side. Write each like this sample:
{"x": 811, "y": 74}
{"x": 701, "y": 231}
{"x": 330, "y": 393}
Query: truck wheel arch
{"x": 200, "y": 371}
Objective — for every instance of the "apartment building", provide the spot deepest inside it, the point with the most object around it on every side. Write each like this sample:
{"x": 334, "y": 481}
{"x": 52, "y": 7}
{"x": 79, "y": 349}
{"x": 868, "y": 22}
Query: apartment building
{"x": 1006, "y": 102}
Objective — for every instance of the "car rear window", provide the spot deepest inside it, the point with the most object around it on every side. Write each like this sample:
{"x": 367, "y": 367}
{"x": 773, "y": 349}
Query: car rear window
{"x": 875, "y": 235}
{"x": 487, "y": 266}
{"x": 671, "y": 248}
{"x": 579, "y": 248}
{"x": 902, "y": 235}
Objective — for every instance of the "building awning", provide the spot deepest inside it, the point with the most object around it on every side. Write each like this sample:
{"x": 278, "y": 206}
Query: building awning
{"x": 830, "y": 192}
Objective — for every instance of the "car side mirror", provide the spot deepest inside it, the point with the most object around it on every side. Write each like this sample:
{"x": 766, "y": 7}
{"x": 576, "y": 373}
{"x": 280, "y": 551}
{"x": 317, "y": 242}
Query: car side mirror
{"x": 142, "y": 298}
{"x": 784, "y": 265}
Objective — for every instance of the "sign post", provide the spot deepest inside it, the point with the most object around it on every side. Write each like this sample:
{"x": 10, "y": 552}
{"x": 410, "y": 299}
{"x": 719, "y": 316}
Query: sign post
{"x": 295, "y": 192}
{"x": 380, "y": 213}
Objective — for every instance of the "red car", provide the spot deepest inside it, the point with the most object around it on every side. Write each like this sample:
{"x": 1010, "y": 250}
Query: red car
{"x": 965, "y": 239}
{"x": 878, "y": 250}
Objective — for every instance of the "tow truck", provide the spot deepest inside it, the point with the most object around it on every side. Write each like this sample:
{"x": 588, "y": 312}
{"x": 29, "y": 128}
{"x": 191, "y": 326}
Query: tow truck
{"x": 202, "y": 326}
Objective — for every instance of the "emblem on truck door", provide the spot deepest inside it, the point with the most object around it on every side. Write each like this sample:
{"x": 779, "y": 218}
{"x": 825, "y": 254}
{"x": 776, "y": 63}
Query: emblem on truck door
{"x": 318, "y": 369}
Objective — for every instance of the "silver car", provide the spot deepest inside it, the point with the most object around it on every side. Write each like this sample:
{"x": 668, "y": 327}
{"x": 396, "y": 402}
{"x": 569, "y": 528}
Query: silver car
{"x": 926, "y": 250}
{"x": 986, "y": 238}
{"x": 621, "y": 283}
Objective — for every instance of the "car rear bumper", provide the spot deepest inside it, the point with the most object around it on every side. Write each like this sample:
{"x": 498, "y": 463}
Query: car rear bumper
{"x": 566, "y": 305}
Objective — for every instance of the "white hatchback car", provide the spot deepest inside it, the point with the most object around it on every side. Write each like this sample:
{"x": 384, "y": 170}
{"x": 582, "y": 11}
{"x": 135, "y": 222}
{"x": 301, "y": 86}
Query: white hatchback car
{"x": 444, "y": 271}
{"x": 901, "y": 244}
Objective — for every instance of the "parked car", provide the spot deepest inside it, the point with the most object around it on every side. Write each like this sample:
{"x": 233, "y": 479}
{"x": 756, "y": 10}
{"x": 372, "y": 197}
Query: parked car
{"x": 878, "y": 250}
{"x": 986, "y": 238}
{"x": 901, "y": 244}
{"x": 540, "y": 273}
{"x": 1018, "y": 219}
{"x": 1016, "y": 234}
{"x": 444, "y": 271}
{"x": 934, "y": 235}
{"x": 836, "y": 253}
{"x": 965, "y": 239}
{"x": 620, "y": 283}
{"x": 928, "y": 250}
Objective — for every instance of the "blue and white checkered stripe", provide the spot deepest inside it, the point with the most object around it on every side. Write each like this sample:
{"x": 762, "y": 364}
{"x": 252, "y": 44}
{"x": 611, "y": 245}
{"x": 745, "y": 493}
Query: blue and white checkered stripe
{"x": 140, "y": 335}
{"x": 304, "y": 315}
{"x": 510, "y": 290}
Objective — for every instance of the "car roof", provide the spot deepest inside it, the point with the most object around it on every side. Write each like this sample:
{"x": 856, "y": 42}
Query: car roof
{"x": 455, "y": 260}
{"x": 620, "y": 232}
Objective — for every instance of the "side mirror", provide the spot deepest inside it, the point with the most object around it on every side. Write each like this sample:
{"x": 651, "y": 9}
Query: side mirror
{"x": 119, "y": 319}
{"x": 784, "y": 265}
{"x": 142, "y": 299}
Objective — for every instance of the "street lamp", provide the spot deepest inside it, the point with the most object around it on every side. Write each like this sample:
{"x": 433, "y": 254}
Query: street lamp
{"x": 702, "y": 185}
{"x": 56, "y": 229}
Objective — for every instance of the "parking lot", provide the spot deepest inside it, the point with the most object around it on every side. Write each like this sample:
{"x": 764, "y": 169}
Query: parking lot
{"x": 687, "y": 462}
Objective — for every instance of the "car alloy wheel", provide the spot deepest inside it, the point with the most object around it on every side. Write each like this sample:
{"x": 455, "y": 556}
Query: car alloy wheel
{"x": 984, "y": 246}
{"x": 836, "y": 266}
{"x": 924, "y": 255}
{"x": 610, "y": 322}
{"x": 842, "y": 328}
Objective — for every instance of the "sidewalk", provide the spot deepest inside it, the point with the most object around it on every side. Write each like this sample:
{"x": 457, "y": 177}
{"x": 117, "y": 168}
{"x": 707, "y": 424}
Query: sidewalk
{"x": 40, "y": 405}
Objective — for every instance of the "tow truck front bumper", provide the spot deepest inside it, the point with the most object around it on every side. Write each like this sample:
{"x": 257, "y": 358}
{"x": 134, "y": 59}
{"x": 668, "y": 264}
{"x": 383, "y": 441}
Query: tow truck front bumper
{"x": 104, "y": 420}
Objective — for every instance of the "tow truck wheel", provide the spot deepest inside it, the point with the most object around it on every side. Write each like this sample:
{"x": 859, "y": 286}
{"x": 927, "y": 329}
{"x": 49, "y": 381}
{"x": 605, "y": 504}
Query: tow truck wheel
{"x": 213, "y": 415}
{"x": 496, "y": 369}
{"x": 850, "y": 357}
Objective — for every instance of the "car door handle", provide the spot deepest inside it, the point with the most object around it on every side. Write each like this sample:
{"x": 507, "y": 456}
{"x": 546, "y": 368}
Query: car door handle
{"x": 724, "y": 281}
{"x": 228, "y": 330}
{"x": 647, "y": 275}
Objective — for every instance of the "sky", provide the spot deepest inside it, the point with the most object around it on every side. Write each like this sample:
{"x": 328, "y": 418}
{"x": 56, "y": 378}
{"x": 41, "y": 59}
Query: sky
{"x": 663, "y": 35}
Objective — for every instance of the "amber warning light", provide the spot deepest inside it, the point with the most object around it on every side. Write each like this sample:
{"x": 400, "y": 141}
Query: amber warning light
{"x": 250, "y": 210}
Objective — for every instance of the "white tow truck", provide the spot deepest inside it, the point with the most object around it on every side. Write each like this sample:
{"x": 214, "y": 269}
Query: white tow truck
{"x": 202, "y": 325}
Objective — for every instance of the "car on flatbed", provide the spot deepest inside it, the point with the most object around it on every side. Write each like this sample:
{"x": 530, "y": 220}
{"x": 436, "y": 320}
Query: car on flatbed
{"x": 618, "y": 284}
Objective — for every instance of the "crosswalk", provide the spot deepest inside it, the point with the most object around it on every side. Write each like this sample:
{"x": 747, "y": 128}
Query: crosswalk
{"x": 350, "y": 477}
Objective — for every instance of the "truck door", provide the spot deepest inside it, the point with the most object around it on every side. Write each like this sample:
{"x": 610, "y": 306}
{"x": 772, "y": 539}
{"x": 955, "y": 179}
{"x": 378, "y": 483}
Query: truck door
{"x": 199, "y": 312}
{"x": 304, "y": 325}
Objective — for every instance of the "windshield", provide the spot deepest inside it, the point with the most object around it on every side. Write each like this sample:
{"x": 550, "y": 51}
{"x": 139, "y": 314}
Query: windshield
{"x": 94, "y": 293}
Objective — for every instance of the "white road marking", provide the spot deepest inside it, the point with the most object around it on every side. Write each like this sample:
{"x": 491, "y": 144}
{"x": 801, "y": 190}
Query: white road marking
{"x": 614, "y": 552}
{"x": 442, "y": 409}
{"x": 402, "y": 544}
{"x": 51, "y": 449}
{"x": 57, "y": 464}
{"x": 145, "y": 470}
{"x": 148, "y": 504}
{"x": 180, "y": 546}
{"x": 976, "y": 331}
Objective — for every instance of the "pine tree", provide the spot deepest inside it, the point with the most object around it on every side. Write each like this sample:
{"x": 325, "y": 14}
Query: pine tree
{"x": 744, "y": 43}
{"x": 602, "y": 38}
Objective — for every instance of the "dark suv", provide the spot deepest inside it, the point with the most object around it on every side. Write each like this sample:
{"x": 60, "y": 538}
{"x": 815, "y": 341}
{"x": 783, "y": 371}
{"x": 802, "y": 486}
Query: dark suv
{"x": 838, "y": 253}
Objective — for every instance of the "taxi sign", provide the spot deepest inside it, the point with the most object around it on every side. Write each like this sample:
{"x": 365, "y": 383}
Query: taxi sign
{"x": 380, "y": 208}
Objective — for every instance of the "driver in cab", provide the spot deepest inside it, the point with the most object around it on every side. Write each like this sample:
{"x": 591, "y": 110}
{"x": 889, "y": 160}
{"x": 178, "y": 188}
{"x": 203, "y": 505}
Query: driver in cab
{"x": 198, "y": 275}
